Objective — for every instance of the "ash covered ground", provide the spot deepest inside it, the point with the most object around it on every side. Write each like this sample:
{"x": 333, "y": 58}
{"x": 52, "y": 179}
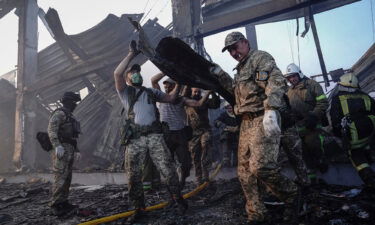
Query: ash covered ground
{"x": 222, "y": 203}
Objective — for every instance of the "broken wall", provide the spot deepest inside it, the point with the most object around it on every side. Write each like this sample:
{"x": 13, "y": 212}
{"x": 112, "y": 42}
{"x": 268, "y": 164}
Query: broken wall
{"x": 7, "y": 117}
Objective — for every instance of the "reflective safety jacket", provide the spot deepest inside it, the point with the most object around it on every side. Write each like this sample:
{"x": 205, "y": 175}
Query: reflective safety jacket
{"x": 308, "y": 97}
{"x": 359, "y": 107}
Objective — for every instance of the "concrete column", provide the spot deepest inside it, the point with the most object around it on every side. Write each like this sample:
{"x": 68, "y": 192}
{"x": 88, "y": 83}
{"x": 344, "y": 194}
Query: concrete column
{"x": 25, "y": 121}
{"x": 251, "y": 35}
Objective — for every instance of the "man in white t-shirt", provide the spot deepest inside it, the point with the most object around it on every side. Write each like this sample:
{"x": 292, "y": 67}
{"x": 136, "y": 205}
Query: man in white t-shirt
{"x": 146, "y": 133}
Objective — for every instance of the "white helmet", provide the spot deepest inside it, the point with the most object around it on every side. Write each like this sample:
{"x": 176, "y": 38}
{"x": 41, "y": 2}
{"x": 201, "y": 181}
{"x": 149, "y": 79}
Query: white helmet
{"x": 292, "y": 69}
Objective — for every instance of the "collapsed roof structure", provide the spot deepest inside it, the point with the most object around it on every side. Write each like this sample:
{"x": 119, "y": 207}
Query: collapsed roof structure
{"x": 72, "y": 63}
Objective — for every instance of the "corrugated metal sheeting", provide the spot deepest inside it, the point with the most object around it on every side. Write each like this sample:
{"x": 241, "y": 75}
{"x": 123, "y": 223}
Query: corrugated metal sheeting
{"x": 99, "y": 112}
{"x": 364, "y": 69}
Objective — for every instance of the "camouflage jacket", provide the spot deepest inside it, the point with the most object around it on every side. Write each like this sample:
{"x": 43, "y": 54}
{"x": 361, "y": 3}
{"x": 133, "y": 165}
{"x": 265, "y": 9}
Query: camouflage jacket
{"x": 198, "y": 116}
{"x": 57, "y": 125}
{"x": 306, "y": 97}
{"x": 259, "y": 84}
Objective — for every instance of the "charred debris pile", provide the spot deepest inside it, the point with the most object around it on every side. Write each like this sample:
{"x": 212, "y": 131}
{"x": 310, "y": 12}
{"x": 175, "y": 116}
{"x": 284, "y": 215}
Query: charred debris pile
{"x": 221, "y": 203}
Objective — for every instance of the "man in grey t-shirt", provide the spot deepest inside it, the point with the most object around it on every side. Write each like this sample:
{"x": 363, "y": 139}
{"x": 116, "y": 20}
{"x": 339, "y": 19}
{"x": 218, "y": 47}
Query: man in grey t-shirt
{"x": 175, "y": 116}
{"x": 147, "y": 137}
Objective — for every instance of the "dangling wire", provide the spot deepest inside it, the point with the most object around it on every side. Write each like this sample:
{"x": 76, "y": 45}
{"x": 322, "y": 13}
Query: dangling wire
{"x": 297, "y": 35}
{"x": 290, "y": 39}
{"x": 148, "y": 11}
{"x": 144, "y": 8}
{"x": 372, "y": 25}
{"x": 162, "y": 9}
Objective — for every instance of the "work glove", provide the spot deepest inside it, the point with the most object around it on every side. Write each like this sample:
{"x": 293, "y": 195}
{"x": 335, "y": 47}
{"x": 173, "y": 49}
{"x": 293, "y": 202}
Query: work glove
{"x": 59, "y": 150}
{"x": 77, "y": 156}
{"x": 270, "y": 123}
{"x": 311, "y": 121}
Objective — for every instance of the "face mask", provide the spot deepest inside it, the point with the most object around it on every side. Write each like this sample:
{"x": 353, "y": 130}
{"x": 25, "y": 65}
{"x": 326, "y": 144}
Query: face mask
{"x": 136, "y": 79}
{"x": 70, "y": 105}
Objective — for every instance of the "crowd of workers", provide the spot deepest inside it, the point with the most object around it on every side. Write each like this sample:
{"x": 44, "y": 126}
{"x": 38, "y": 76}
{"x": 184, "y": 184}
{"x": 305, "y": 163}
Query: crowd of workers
{"x": 166, "y": 130}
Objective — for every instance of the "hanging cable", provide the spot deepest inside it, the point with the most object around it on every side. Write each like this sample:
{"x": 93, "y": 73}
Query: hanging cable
{"x": 372, "y": 19}
{"x": 144, "y": 8}
{"x": 162, "y": 9}
{"x": 290, "y": 39}
{"x": 297, "y": 35}
{"x": 152, "y": 7}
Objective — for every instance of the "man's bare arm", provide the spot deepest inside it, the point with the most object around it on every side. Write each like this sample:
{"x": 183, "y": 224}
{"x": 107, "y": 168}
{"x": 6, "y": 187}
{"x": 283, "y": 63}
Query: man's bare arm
{"x": 172, "y": 96}
{"x": 195, "y": 103}
{"x": 186, "y": 91}
{"x": 121, "y": 68}
{"x": 155, "y": 80}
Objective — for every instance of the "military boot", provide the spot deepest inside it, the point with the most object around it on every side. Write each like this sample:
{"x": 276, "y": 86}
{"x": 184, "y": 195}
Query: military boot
{"x": 138, "y": 214}
{"x": 69, "y": 206}
{"x": 62, "y": 209}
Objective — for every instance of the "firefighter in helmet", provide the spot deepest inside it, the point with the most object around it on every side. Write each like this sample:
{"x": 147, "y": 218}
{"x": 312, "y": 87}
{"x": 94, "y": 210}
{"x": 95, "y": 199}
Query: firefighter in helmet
{"x": 308, "y": 105}
{"x": 352, "y": 114}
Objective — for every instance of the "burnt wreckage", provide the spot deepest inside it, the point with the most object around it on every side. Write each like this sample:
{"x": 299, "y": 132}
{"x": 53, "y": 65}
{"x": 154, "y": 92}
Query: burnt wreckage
{"x": 87, "y": 60}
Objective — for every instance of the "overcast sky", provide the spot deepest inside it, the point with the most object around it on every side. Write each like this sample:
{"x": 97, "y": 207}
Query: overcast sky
{"x": 345, "y": 33}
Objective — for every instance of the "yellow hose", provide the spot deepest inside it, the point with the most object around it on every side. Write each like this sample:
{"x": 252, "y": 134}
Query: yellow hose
{"x": 154, "y": 207}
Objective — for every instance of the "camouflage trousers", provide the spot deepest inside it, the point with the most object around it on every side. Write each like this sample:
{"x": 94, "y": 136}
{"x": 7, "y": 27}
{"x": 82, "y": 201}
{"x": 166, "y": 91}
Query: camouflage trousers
{"x": 135, "y": 155}
{"x": 258, "y": 168}
{"x": 292, "y": 146}
{"x": 199, "y": 147}
{"x": 62, "y": 170}
{"x": 151, "y": 175}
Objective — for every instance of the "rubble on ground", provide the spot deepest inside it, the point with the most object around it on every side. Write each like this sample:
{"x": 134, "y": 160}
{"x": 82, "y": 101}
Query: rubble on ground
{"x": 222, "y": 203}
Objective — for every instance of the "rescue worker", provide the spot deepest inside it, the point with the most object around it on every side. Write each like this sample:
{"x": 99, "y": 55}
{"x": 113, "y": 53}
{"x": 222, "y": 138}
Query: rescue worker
{"x": 229, "y": 135}
{"x": 309, "y": 106}
{"x": 174, "y": 115}
{"x": 63, "y": 131}
{"x": 199, "y": 144}
{"x": 144, "y": 133}
{"x": 352, "y": 114}
{"x": 259, "y": 87}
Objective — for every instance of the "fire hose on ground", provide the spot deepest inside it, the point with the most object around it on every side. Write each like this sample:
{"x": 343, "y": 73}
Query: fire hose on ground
{"x": 154, "y": 207}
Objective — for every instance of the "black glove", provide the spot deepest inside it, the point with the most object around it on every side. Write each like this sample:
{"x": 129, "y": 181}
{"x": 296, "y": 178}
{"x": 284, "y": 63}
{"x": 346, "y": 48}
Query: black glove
{"x": 311, "y": 121}
{"x": 133, "y": 47}
{"x": 288, "y": 118}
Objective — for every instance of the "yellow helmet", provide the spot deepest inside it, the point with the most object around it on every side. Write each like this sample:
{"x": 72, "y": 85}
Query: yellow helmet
{"x": 349, "y": 80}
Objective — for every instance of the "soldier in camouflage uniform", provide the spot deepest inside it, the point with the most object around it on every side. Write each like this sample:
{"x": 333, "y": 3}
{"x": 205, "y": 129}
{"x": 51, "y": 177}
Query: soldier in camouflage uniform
{"x": 146, "y": 133}
{"x": 63, "y": 130}
{"x": 259, "y": 87}
{"x": 199, "y": 144}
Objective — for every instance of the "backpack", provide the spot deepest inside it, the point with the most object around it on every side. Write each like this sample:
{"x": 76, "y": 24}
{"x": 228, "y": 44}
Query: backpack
{"x": 44, "y": 141}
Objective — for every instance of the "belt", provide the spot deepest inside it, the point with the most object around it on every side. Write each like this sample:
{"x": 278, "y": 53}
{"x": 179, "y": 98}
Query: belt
{"x": 70, "y": 141}
{"x": 252, "y": 115}
{"x": 155, "y": 127}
